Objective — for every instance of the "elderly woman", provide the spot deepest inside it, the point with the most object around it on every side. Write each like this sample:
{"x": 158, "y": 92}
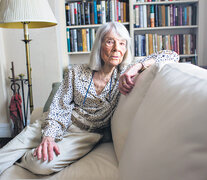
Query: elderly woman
{"x": 82, "y": 107}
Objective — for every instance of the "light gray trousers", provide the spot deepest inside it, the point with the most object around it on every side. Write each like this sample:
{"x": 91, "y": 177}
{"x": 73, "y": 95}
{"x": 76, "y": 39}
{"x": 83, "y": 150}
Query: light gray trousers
{"x": 75, "y": 144}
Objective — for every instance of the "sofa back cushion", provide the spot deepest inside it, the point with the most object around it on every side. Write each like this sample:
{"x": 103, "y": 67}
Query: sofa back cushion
{"x": 127, "y": 108}
{"x": 168, "y": 136}
{"x": 55, "y": 87}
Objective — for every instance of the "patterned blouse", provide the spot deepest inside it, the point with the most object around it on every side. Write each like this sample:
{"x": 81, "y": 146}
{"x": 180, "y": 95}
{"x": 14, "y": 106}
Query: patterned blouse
{"x": 76, "y": 101}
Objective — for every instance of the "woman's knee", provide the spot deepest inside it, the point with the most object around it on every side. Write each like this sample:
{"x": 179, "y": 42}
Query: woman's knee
{"x": 37, "y": 166}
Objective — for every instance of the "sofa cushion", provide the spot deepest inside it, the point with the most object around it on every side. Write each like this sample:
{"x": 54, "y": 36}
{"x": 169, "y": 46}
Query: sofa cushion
{"x": 55, "y": 87}
{"x": 168, "y": 136}
{"x": 99, "y": 164}
{"x": 127, "y": 107}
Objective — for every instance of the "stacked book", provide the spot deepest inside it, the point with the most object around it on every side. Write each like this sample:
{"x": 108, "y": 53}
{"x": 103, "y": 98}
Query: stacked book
{"x": 96, "y": 12}
{"x": 164, "y": 15}
{"x": 150, "y": 43}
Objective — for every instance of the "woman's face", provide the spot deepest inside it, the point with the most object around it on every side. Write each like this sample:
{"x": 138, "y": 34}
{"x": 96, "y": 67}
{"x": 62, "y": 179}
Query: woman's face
{"x": 113, "y": 48}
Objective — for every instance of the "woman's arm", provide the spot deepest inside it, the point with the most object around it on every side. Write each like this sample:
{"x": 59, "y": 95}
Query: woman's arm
{"x": 126, "y": 82}
{"x": 58, "y": 119}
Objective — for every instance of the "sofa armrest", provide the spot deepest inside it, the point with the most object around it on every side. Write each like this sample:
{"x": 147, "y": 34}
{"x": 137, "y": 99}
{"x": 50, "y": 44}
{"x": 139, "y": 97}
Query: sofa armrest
{"x": 36, "y": 114}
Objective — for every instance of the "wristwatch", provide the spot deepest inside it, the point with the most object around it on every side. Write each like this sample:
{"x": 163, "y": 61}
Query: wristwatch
{"x": 142, "y": 68}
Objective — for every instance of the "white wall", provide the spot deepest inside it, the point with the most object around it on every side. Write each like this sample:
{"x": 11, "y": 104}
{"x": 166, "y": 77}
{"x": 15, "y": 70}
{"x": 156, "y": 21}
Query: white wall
{"x": 4, "y": 126}
{"x": 46, "y": 61}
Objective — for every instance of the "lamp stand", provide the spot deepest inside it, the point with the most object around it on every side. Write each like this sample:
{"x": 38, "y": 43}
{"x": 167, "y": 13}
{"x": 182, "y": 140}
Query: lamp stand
{"x": 29, "y": 76}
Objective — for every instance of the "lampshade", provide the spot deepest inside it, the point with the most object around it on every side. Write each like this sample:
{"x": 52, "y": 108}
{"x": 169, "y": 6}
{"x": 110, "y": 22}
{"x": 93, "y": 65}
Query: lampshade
{"x": 37, "y": 12}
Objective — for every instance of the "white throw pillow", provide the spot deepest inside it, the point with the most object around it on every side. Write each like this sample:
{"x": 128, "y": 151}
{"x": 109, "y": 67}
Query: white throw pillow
{"x": 168, "y": 137}
{"x": 127, "y": 107}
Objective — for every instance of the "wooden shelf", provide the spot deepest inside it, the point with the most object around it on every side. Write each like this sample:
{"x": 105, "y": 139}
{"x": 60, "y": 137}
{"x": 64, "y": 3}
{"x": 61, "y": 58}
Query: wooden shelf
{"x": 166, "y": 28}
{"x": 166, "y": 2}
{"x": 89, "y": 26}
{"x": 79, "y": 52}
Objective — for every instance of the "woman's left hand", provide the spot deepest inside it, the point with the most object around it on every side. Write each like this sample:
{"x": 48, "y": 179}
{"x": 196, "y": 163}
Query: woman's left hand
{"x": 126, "y": 80}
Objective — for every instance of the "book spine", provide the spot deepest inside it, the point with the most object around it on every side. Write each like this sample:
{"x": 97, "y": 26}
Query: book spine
{"x": 176, "y": 16}
{"x": 194, "y": 11}
{"x": 136, "y": 45}
{"x": 76, "y": 13}
{"x": 83, "y": 13}
{"x": 87, "y": 40}
{"x": 107, "y": 10}
{"x": 141, "y": 17}
{"x": 103, "y": 12}
{"x": 67, "y": 13}
{"x": 112, "y": 11}
{"x": 71, "y": 41}
{"x": 166, "y": 18}
{"x": 143, "y": 50}
{"x": 136, "y": 17}
{"x": 84, "y": 40}
{"x": 184, "y": 41}
{"x": 171, "y": 15}
{"x": 92, "y": 13}
{"x": 181, "y": 43}
{"x": 125, "y": 11}
{"x": 150, "y": 40}
{"x": 185, "y": 16}
{"x": 180, "y": 13}
{"x": 92, "y": 37}
{"x": 86, "y": 13}
{"x": 75, "y": 40}
{"x": 148, "y": 16}
{"x": 156, "y": 16}
{"x": 147, "y": 44}
{"x": 79, "y": 13}
{"x": 99, "y": 12}
{"x": 95, "y": 12}
{"x": 72, "y": 14}
{"x": 175, "y": 43}
{"x": 68, "y": 39}
{"x": 139, "y": 45}
{"x": 119, "y": 11}
{"x": 79, "y": 40}
{"x": 152, "y": 16}
{"x": 163, "y": 14}
{"x": 122, "y": 11}
{"x": 144, "y": 16}
{"x": 178, "y": 43}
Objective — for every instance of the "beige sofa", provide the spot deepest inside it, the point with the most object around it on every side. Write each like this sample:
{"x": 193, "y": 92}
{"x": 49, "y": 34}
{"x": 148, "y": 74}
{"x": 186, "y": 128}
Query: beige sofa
{"x": 159, "y": 132}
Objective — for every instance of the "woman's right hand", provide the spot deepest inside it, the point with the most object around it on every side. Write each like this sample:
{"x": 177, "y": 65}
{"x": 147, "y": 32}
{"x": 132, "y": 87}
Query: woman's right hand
{"x": 46, "y": 148}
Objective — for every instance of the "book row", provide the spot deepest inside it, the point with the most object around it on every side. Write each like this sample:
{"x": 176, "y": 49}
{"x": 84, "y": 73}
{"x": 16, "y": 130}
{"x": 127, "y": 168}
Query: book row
{"x": 96, "y": 12}
{"x": 80, "y": 40}
{"x": 164, "y": 15}
{"x": 150, "y": 43}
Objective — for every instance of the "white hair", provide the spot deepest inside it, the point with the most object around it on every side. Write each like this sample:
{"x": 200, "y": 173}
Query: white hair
{"x": 118, "y": 28}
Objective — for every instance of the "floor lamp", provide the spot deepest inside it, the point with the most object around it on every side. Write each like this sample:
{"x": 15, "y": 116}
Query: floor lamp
{"x": 25, "y": 14}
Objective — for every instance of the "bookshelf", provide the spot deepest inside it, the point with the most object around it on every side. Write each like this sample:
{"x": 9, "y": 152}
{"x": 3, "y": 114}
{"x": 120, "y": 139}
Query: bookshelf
{"x": 83, "y": 18}
{"x": 160, "y": 25}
